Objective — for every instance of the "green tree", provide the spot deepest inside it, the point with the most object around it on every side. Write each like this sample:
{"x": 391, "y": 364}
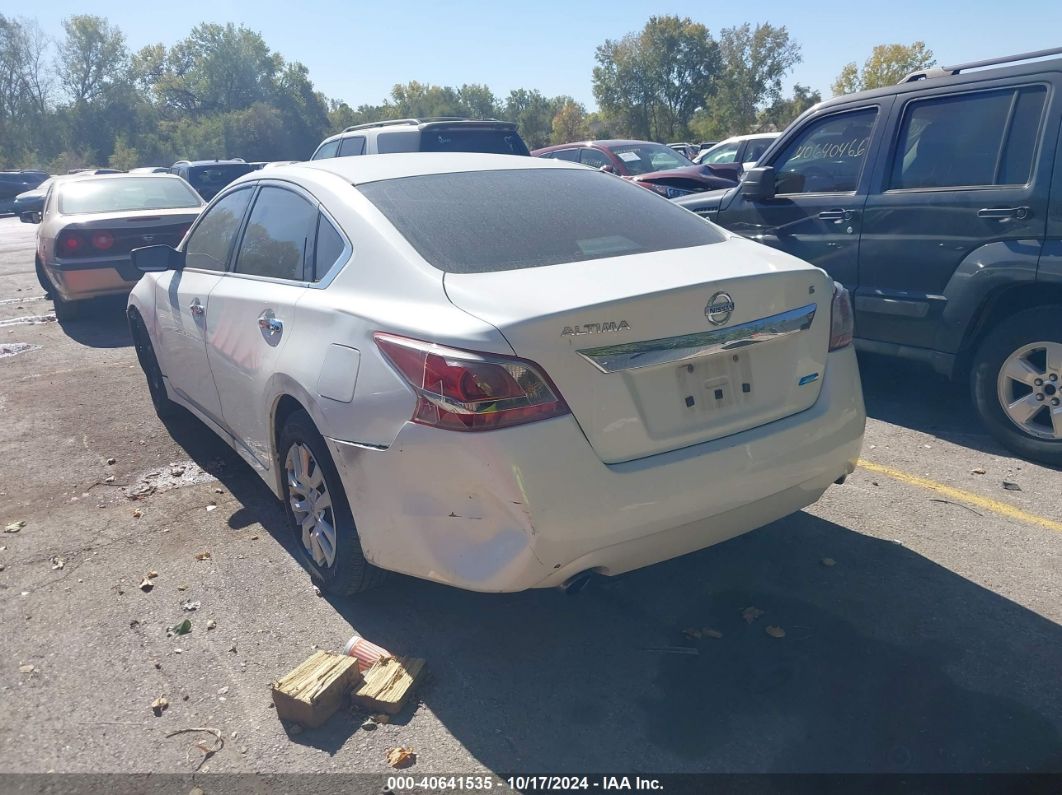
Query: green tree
{"x": 570, "y": 124}
{"x": 781, "y": 112}
{"x": 478, "y": 102}
{"x": 533, "y": 114}
{"x": 92, "y": 56}
{"x": 754, "y": 62}
{"x": 124, "y": 157}
{"x": 652, "y": 82}
{"x": 887, "y": 65}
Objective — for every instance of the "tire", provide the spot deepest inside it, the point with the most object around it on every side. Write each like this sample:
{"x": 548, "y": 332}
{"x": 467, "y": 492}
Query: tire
{"x": 348, "y": 572}
{"x": 43, "y": 280}
{"x": 65, "y": 310}
{"x": 1029, "y": 346}
{"x": 164, "y": 407}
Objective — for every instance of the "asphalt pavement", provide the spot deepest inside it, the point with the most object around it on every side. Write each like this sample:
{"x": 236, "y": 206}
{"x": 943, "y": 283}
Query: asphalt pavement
{"x": 931, "y": 644}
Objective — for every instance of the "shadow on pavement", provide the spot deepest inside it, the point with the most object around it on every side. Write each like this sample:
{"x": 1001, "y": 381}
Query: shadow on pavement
{"x": 890, "y": 663}
{"x": 100, "y": 324}
{"x": 913, "y": 396}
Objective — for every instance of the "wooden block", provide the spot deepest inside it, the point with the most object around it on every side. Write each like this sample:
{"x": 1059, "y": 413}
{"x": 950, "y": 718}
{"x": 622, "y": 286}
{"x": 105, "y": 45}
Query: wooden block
{"x": 387, "y": 685}
{"x": 311, "y": 693}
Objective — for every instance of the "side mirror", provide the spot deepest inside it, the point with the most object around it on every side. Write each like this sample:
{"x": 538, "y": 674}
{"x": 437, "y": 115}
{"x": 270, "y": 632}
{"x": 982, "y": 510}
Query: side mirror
{"x": 156, "y": 259}
{"x": 30, "y": 217}
{"x": 758, "y": 183}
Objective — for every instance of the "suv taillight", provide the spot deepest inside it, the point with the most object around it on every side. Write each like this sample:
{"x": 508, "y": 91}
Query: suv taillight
{"x": 466, "y": 391}
{"x": 842, "y": 320}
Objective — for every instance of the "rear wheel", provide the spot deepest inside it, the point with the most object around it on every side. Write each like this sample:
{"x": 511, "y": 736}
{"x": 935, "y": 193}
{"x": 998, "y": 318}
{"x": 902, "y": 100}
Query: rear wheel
{"x": 145, "y": 353}
{"x": 1017, "y": 384}
{"x": 319, "y": 514}
{"x": 65, "y": 310}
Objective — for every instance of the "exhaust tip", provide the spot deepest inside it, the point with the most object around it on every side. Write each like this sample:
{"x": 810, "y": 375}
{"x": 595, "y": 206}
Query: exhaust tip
{"x": 577, "y": 583}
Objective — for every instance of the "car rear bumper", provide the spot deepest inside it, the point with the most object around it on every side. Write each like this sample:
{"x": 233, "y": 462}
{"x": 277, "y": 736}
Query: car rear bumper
{"x": 90, "y": 278}
{"x": 533, "y": 506}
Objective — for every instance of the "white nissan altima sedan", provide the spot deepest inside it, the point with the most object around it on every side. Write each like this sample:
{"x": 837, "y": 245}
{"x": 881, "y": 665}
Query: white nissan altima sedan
{"x": 498, "y": 372}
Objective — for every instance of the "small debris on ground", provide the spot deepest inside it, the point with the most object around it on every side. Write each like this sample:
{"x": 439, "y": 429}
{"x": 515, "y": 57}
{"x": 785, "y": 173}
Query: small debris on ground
{"x": 211, "y": 507}
{"x": 137, "y": 513}
{"x": 212, "y": 624}
{"x": 316, "y": 590}
{"x": 27, "y": 669}
{"x": 179, "y": 629}
{"x": 57, "y": 563}
{"x": 401, "y": 756}
{"x": 223, "y": 691}
{"x": 254, "y": 537}
{"x": 369, "y": 725}
{"x": 202, "y": 555}
{"x": 219, "y": 491}
{"x": 190, "y": 606}
{"x": 828, "y": 562}
{"x": 109, "y": 479}
{"x": 1011, "y": 486}
{"x": 111, "y": 461}
{"x": 176, "y": 471}
{"x": 158, "y": 705}
{"x": 775, "y": 632}
{"x": 14, "y": 527}
{"x": 750, "y": 614}
{"x": 152, "y": 574}
{"x": 978, "y": 471}
{"x": 146, "y": 585}
{"x": 207, "y": 750}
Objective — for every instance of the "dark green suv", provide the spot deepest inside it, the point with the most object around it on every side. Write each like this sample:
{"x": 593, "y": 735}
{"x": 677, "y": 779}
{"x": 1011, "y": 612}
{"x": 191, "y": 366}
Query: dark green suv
{"x": 938, "y": 203}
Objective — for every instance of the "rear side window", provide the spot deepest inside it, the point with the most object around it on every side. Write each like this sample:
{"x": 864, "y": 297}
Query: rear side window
{"x": 211, "y": 241}
{"x": 485, "y": 221}
{"x": 388, "y": 143}
{"x": 355, "y": 145}
{"x": 497, "y": 142}
{"x": 279, "y": 236}
{"x": 594, "y": 158}
{"x": 330, "y": 246}
{"x": 572, "y": 155}
{"x": 326, "y": 150}
{"x": 970, "y": 140}
{"x": 218, "y": 176}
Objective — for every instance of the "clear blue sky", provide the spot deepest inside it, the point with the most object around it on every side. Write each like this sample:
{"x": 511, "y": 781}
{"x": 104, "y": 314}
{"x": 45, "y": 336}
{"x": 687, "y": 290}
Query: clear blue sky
{"x": 357, "y": 51}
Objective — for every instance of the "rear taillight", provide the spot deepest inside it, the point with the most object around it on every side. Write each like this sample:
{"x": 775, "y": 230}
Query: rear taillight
{"x": 842, "y": 321}
{"x": 466, "y": 391}
{"x": 69, "y": 243}
{"x": 102, "y": 240}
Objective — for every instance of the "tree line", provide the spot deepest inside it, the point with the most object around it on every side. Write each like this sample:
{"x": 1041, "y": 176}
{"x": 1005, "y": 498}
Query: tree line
{"x": 88, "y": 100}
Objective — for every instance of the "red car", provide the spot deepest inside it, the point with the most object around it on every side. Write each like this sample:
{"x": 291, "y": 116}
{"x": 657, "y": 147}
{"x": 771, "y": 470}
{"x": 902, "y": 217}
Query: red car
{"x": 654, "y": 166}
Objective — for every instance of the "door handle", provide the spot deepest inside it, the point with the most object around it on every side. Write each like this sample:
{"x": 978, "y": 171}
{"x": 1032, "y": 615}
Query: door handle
{"x": 837, "y": 215}
{"x": 1005, "y": 213}
{"x": 196, "y": 308}
{"x": 270, "y": 325}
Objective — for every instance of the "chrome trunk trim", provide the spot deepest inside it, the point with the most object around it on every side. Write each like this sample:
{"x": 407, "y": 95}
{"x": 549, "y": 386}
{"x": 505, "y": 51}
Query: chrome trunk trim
{"x": 651, "y": 353}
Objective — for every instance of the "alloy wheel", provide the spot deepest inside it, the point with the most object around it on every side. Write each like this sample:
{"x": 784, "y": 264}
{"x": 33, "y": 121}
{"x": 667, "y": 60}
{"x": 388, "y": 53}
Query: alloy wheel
{"x": 1029, "y": 386}
{"x": 311, "y": 504}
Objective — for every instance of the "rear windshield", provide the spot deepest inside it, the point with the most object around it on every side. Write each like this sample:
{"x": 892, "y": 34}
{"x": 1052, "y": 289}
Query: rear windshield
{"x": 494, "y": 142}
{"x": 124, "y": 194}
{"x": 485, "y": 221}
{"x": 217, "y": 176}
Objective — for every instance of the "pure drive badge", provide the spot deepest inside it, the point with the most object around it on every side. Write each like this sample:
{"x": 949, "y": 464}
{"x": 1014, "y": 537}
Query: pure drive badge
{"x": 596, "y": 328}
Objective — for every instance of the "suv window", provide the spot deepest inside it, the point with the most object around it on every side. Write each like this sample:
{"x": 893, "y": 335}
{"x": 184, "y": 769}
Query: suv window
{"x": 453, "y": 139}
{"x": 279, "y": 236}
{"x": 330, "y": 245}
{"x": 755, "y": 149}
{"x": 724, "y": 154}
{"x": 389, "y": 142}
{"x": 827, "y": 156}
{"x": 326, "y": 150}
{"x": 985, "y": 138}
{"x": 355, "y": 145}
{"x": 211, "y": 241}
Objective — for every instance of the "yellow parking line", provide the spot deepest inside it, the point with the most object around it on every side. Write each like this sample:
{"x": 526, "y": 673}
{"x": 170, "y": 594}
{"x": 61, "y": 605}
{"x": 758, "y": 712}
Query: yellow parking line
{"x": 969, "y": 498}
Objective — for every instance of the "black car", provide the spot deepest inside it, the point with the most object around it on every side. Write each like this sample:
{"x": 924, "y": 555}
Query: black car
{"x": 12, "y": 183}
{"x": 938, "y": 203}
{"x": 208, "y": 177}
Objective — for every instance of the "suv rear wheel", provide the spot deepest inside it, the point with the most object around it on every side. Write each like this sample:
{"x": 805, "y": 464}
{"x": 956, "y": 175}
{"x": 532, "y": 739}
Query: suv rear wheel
{"x": 1017, "y": 384}
{"x": 319, "y": 514}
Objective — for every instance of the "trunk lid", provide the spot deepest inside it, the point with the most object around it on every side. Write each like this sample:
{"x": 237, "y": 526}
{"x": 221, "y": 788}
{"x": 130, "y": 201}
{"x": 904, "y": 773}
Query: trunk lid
{"x": 629, "y": 344}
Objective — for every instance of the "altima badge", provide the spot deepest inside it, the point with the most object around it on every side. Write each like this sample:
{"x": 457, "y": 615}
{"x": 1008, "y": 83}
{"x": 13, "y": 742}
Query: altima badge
{"x": 719, "y": 308}
{"x": 596, "y": 328}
